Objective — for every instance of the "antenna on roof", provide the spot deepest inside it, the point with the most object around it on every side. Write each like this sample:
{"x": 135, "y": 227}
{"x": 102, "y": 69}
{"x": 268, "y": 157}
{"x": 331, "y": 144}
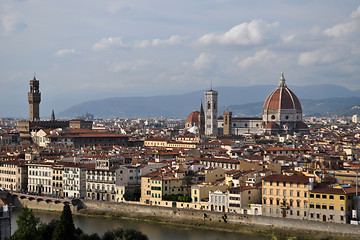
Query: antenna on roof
{"x": 211, "y": 85}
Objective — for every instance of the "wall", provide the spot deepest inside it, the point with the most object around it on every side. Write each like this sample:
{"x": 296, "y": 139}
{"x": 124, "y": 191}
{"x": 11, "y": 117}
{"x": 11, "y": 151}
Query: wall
{"x": 233, "y": 218}
{"x": 326, "y": 227}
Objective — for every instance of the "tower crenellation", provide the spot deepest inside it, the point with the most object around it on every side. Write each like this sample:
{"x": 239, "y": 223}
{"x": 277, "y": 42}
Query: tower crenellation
{"x": 34, "y": 99}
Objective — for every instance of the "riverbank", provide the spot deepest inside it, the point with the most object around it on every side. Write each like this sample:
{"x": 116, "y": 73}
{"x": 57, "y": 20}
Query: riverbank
{"x": 263, "y": 231}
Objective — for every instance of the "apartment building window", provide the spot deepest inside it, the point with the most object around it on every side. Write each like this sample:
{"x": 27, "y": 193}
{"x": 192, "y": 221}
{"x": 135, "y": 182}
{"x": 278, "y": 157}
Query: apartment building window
{"x": 298, "y": 213}
{"x": 331, "y": 197}
{"x": 277, "y": 201}
{"x": 342, "y": 207}
{"x": 311, "y": 205}
{"x": 277, "y": 183}
{"x": 298, "y": 193}
{"x": 284, "y": 193}
{"x": 317, "y": 195}
{"x": 264, "y": 183}
{"x": 342, "y": 198}
{"x": 264, "y": 200}
{"x": 271, "y": 191}
{"x": 271, "y": 201}
{"x": 291, "y": 184}
{"x": 284, "y": 184}
{"x": 264, "y": 191}
{"x": 311, "y": 215}
{"x": 305, "y": 204}
{"x": 271, "y": 183}
{"x": 304, "y": 213}
{"x": 291, "y": 193}
{"x": 324, "y": 196}
{"x": 324, "y": 206}
{"x": 311, "y": 195}
{"x": 291, "y": 202}
{"x": 297, "y": 203}
{"x": 298, "y": 185}
{"x": 331, "y": 207}
{"x": 305, "y": 194}
{"x": 318, "y": 205}
{"x": 277, "y": 192}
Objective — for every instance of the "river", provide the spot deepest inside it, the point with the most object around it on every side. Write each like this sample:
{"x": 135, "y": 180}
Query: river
{"x": 152, "y": 230}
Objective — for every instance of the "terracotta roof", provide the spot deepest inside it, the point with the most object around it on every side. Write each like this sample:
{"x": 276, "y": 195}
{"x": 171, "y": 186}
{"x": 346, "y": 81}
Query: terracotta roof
{"x": 284, "y": 178}
{"x": 193, "y": 117}
{"x": 272, "y": 125}
{"x": 334, "y": 190}
{"x": 282, "y": 98}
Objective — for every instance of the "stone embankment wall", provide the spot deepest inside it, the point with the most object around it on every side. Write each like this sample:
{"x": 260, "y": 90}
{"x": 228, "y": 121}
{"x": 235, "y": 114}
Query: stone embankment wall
{"x": 304, "y": 225}
{"x": 40, "y": 205}
{"x": 334, "y": 228}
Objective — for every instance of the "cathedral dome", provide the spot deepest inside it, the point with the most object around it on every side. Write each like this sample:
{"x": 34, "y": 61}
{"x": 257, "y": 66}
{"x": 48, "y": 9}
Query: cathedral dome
{"x": 193, "y": 117}
{"x": 282, "y": 98}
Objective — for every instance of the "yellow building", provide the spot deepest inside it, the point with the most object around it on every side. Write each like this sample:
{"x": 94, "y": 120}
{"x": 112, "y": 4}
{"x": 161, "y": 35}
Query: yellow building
{"x": 155, "y": 185}
{"x": 331, "y": 203}
{"x": 285, "y": 196}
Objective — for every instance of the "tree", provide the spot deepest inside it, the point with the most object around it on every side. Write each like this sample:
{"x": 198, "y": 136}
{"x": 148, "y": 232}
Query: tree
{"x": 27, "y": 226}
{"x": 66, "y": 228}
{"x": 46, "y": 230}
{"x": 126, "y": 234}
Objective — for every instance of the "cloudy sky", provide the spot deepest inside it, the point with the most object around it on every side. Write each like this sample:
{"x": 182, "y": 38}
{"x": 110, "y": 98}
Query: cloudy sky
{"x": 88, "y": 49}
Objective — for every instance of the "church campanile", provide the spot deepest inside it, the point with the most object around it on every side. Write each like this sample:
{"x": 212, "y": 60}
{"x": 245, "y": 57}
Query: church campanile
{"x": 34, "y": 98}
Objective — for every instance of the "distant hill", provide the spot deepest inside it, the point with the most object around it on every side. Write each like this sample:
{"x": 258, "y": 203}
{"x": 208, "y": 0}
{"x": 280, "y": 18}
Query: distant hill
{"x": 322, "y": 107}
{"x": 244, "y": 101}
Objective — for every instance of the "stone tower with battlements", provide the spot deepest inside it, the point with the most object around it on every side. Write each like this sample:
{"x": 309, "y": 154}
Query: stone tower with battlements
{"x": 34, "y": 98}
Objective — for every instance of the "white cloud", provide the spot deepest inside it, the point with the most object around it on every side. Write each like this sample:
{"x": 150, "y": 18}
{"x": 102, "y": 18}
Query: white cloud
{"x": 173, "y": 40}
{"x": 11, "y": 23}
{"x": 141, "y": 44}
{"x": 342, "y": 29}
{"x": 204, "y": 61}
{"x": 65, "y": 52}
{"x": 109, "y": 42}
{"x": 288, "y": 38}
{"x": 261, "y": 57}
{"x": 317, "y": 57}
{"x": 129, "y": 66}
{"x": 345, "y": 28}
{"x": 356, "y": 13}
{"x": 252, "y": 33}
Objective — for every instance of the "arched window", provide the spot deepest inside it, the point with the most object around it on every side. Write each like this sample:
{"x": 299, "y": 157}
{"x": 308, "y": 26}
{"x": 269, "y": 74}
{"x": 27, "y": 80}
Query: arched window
{"x": 272, "y": 117}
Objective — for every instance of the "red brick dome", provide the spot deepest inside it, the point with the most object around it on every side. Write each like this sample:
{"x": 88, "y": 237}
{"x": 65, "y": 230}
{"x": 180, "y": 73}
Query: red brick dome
{"x": 282, "y": 98}
{"x": 193, "y": 117}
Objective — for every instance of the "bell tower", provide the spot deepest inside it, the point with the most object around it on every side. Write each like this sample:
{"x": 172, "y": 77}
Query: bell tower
{"x": 34, "y": 98}
{"x": 211, "y": 122}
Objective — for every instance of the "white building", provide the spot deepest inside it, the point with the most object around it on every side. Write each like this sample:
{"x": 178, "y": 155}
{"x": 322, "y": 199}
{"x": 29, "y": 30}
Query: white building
{"x": 74, "y": 178}
{"x": 218, "y": 201}
{"x": 355, "y": 118}
{"x": 40, "y": 178}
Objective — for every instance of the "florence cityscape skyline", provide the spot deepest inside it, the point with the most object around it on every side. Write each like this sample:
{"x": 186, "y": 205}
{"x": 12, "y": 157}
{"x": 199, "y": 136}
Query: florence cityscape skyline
{"x": 133, "y": 49}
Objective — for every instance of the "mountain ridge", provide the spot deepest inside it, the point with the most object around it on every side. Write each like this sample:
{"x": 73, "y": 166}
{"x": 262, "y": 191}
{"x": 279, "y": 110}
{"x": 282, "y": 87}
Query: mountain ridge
{"x": 183, "y": 104}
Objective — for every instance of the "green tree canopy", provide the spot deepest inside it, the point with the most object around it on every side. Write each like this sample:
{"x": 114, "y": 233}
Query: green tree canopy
{"x": 65, "y": 228}
{"x": 27, "y": 226}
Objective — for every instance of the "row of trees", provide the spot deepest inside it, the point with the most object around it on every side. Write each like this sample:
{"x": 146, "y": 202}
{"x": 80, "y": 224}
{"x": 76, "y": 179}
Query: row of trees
{"x": 30, "y": 227}
{"x": 176, "y": 198}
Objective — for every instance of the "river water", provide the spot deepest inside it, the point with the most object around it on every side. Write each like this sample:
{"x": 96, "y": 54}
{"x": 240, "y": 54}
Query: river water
{"x": 153, "y": 231}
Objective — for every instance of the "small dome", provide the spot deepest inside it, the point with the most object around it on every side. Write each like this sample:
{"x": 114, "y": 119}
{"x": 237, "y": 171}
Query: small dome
{"x": 272, "y": 126}
{"x": 193, "y": 117}
{"x": 282, "y": 98}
